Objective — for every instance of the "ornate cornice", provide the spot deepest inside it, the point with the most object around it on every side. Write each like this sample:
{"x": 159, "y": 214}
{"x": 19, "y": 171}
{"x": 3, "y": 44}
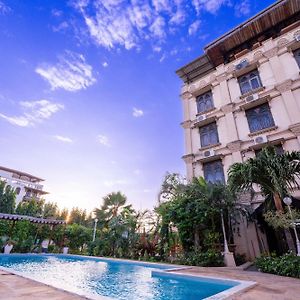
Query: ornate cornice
{"x": 186, "y": 124}
{"x": 186, "y": 95}
{"x": 271, "y": 52}
{"x": 188, "y": 158}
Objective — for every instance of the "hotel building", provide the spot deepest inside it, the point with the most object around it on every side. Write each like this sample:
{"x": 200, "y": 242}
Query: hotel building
{"x": 242, "y": 94}
{"x": 26, "y": 186}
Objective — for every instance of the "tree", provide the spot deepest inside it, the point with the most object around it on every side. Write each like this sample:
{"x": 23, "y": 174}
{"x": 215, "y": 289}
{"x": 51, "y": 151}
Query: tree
{"x": 194, "y": 209}
{"x": 32, "y": 207}
{"x": 276, "y": 175}
{"x": 7, "y": 198}
{"x": 77, "y": 216}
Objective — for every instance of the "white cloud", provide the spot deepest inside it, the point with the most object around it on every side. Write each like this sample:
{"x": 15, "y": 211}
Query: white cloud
{"x": 211, "y": 6}
{"x": 242, "y": 8}
{"x": 63, "y": 139}
{"x": 137, "y": 112}
{"x": 194, "y": 27}
{"x": 71, "y": 72}
{"x": 33, "y": 112}
{"x": 56, "y": 12}
{"x": 4, "y": 9}
{"x": 61, "y": 27}
{"x": 105, "y": 64}
{"x": 103, "y": 140}
{"x": 119, "y": 23}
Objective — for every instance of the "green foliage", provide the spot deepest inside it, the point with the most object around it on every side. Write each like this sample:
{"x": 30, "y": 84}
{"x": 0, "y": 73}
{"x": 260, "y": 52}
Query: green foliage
{"x": 31, "y": 207}
{"x": 286, "y": 265}
{"x": 281, "y": 219}
{"x": 193, "y": 208}
{"x": 274, "y": 173}
{"x": 7, "y": 198}
{"x": 77, "y": 237}
{"x": 209, "y": 258}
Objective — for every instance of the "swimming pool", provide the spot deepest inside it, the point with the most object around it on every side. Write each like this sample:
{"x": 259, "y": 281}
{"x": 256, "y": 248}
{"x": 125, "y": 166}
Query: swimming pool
{"x": 115, "y": 279}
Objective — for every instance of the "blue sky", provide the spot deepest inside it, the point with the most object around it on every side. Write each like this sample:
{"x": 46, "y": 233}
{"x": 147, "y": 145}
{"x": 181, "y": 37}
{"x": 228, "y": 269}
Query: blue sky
{"x": 89, "y": 98}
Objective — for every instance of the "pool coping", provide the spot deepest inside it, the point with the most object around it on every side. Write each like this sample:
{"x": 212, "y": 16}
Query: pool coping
{"x": 242, "y": 285}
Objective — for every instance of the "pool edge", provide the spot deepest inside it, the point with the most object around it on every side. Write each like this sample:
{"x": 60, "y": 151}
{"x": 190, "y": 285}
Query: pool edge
{"x": 242, "y": 285}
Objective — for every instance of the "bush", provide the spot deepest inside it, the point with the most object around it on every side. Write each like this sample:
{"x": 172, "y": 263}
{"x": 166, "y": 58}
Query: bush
{"x": 209, "y": 258}
{"x": 286, "y": 265}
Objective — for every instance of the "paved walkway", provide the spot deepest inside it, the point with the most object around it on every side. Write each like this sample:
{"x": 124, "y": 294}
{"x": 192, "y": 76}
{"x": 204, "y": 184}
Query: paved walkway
{"x": 14, "y": 287}
{"x": 269, "y": 287}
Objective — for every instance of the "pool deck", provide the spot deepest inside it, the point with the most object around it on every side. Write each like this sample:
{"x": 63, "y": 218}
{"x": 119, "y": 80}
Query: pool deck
{"x": 13, "y": 287}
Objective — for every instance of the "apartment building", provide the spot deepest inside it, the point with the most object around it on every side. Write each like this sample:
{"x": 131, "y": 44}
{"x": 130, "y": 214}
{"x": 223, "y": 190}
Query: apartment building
{"x": 242, "y": 94}
{"x": 26, "y": 186}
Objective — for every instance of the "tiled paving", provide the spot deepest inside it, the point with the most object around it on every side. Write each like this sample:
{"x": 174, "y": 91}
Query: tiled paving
{"x": 14, "y": 287}
{"x": 269, "y": 287}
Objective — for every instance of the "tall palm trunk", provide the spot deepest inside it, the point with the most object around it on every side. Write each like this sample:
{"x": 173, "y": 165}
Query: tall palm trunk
{"x": 287, "y": 233}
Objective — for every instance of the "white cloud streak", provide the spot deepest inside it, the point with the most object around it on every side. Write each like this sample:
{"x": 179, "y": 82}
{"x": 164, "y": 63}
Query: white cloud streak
{"x": 63, "y": 139}
{"x": 115, "y": 23}
{"x": 4, "y": 9}
{"x": 34, "y": 112}
{"x": 243, "y": 8}
{"x": 137, "y": 112}
{"x": 71, "y": 73}
{"x": 194, "y": 27}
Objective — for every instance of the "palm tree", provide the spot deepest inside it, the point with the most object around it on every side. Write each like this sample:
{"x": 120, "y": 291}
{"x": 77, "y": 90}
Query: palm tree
{"x": 276, "y": 174}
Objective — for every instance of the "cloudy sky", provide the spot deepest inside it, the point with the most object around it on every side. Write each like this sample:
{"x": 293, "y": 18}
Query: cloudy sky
{"x": 88, "y": 90}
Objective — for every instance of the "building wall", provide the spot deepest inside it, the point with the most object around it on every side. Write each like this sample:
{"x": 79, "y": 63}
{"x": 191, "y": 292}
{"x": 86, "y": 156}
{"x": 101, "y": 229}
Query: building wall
{"x": 18, "y": 183}
{"x": 279, "y": 74}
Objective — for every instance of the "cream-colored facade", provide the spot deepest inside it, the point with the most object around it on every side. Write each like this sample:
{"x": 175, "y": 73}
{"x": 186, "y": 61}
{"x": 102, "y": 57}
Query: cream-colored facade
{"x": 276, "y": 92}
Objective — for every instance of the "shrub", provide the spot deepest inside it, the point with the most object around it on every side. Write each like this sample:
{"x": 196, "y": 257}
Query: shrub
{"x": 209, "y": 258}
{"x": 286, "y": 265}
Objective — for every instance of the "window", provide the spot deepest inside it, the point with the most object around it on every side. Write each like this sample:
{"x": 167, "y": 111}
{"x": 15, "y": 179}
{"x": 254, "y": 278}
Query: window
{"x": 17, "y": 190}
{"x": 259, "y": 118}
{"x": 204, "y": 102}
{"x": 278, "y": 148}
{"x": 209, "y": 135}
{"x": 297, "y": 56}
{"x": 249, "y": 82}
{"x": 213, "y": 172}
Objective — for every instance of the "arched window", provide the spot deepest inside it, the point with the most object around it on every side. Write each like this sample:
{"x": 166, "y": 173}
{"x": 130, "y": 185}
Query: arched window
{"x": 297, "y": 56}
{"x": 259, "y": 118}
{"x": 249, "y": 82}
{"x": 213, "y": 172}
{"x": 204, "y": 102}
{"x": 17, "y": 190}
{"x": 209, "y": 135}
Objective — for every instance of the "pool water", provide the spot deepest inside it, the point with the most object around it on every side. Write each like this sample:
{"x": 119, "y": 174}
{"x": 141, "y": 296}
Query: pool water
{"x": 115, "y": 279}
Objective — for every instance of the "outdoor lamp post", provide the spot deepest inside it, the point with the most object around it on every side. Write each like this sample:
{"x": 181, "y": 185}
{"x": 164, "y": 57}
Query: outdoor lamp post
{"x": 95, "y": 227}
{"x": 288, "y": 202}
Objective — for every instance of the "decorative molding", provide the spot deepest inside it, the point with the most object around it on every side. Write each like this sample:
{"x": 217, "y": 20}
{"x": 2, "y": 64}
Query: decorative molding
{"x": 186, "y": 124}
{"x": 228, "y": 108}
{"x": 257, "y": 55}
{"x": 230, "y": 69}
{"x": 284, "y": 86}
{"x": 270, "y": 53}
{"x": 234, "y": 146}
{"x": 282, "y": 42}
{"x": 295, "y": 129}
{"x": 221, "y": 78}
{"x": 212, "y": 77}
{"x": 188, "y": 158}
{"x": 297, "y": 32}
{"x": 186, "y": 95}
